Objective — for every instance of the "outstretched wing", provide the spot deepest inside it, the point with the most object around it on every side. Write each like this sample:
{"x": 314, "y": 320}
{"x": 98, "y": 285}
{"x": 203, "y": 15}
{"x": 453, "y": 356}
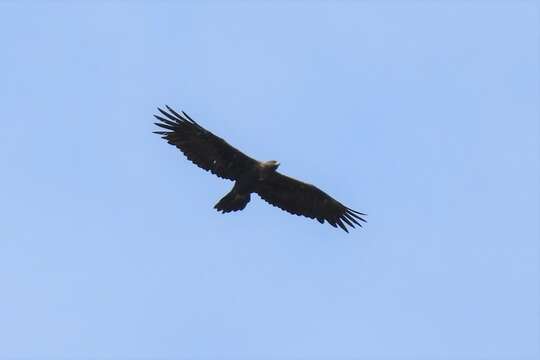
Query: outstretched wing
{"x": 304, "y": 199}
{"x": 201, "y": 147}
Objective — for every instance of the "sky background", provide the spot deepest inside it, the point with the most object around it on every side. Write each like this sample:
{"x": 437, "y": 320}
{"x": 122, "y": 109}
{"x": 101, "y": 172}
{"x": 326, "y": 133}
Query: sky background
{"x": 423, "y": 114}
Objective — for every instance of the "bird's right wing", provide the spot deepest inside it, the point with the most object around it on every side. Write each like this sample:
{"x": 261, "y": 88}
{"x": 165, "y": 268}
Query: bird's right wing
{"x": 300, "y": 198}
{"x": 201, "y": 147}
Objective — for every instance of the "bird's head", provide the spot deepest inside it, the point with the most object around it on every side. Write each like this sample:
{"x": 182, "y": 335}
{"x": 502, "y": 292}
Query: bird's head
{"x": 271, "y": 164}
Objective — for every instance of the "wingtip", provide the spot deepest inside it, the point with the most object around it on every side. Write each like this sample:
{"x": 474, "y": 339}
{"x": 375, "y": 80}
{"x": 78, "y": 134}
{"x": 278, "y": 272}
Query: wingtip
{"x": 344, "y": 218}
{"x": 356, "y": 212}
{"x": 160, "y": 132}
{"x": 189, "y": 117}
{"x": 341, "y": 225}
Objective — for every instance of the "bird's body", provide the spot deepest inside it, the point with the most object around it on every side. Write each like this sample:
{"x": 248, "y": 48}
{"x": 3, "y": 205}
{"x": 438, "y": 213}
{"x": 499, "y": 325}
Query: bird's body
{"x": 246, "y": 184}
{"x": 214, "y": 154}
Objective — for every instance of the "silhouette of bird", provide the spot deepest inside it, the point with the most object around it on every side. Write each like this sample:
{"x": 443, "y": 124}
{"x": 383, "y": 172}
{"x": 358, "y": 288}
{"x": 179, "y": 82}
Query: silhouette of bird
{"x": 214, "y": 154}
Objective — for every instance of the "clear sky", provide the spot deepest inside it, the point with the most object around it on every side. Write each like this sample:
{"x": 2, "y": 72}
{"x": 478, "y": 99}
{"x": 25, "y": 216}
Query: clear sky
{"x": 423, "y": 114}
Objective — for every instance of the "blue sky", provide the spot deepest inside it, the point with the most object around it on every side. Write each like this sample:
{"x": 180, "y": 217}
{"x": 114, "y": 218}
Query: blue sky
{"x": 423, "y": 114}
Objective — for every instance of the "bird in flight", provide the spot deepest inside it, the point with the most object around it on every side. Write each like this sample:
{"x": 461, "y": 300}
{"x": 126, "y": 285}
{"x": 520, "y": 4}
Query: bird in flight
{"x": 214, "y": 154}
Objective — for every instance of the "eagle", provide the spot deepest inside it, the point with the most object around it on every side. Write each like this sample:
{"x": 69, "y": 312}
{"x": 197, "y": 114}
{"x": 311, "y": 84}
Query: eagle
{"x": 212, "y": 153}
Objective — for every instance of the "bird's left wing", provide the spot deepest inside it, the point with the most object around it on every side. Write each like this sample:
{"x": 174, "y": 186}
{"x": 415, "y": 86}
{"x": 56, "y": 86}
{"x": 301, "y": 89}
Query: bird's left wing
{"x": 201, "y": 147}
{"x": 299, "y": 198}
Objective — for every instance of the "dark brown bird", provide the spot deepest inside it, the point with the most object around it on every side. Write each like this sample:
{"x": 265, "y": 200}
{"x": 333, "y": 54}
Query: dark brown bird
{"x": 214, "y": 154}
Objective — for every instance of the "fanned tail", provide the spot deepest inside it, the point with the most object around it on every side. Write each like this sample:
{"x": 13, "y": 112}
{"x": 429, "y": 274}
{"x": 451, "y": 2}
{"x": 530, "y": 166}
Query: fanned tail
{"x": 233, "y": 201}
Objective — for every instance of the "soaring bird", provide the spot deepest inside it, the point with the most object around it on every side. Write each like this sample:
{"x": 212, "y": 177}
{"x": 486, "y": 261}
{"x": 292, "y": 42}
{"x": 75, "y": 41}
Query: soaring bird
{"x": 214, "y": 154}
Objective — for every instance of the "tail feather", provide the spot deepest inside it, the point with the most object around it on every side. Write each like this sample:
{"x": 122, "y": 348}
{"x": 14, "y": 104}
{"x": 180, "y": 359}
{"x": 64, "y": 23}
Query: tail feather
{"x": 233, "y": 201}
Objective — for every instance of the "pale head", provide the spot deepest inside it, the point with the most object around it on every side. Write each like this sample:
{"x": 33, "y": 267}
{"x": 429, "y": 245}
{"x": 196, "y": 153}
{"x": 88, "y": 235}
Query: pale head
{"x": 271, "y": 164}
{"x": 267, "y": 168}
